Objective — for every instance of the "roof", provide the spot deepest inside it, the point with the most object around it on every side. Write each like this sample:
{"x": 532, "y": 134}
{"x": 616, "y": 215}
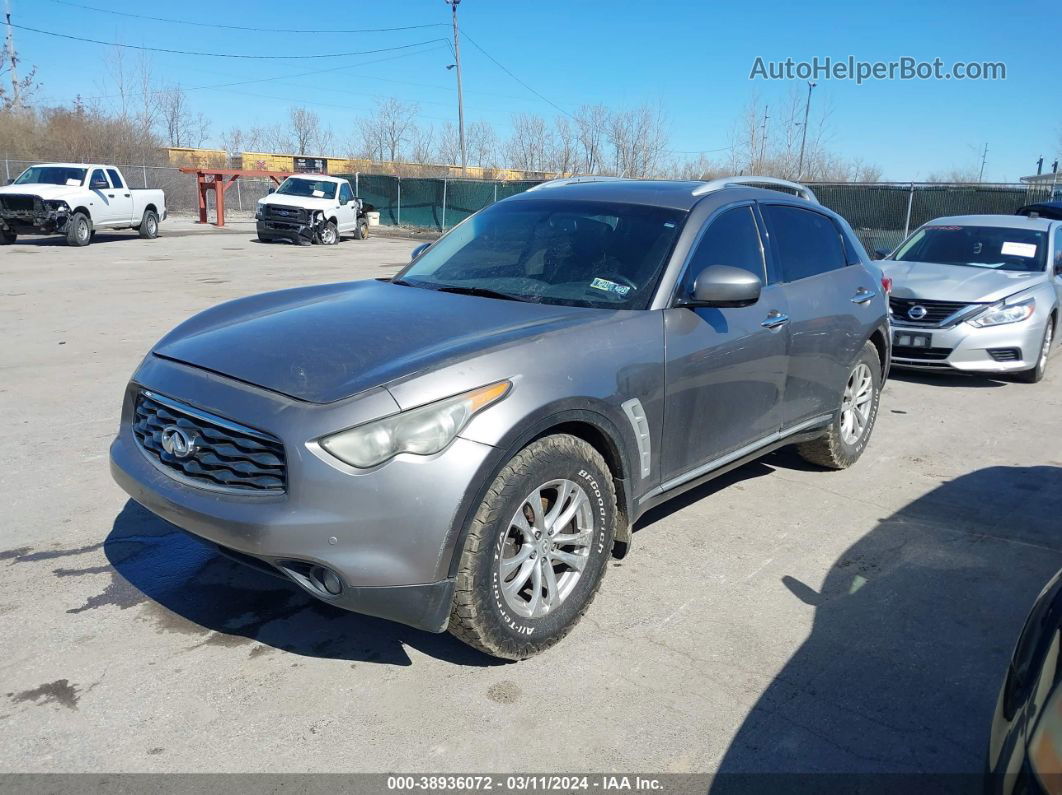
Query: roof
{"x": 674, "y": 194}
{"x": 1008, "y": 221}
{"x": 319, "y": 177}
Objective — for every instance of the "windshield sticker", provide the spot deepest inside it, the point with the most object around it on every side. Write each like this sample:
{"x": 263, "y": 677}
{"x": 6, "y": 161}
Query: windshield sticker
{"x": 609, "y": 287}
{"x": 73, "y": 183}
{"x": 318, "y": 194}
{"x": 1018, "y": 249}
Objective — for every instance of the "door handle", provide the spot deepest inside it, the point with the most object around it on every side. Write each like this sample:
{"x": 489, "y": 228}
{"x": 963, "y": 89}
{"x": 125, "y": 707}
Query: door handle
{"x": 126, "y": 195}
{"x": 774, "y": 319}
{"x": 863, "y": 295}
{"x": 110, "y": 195}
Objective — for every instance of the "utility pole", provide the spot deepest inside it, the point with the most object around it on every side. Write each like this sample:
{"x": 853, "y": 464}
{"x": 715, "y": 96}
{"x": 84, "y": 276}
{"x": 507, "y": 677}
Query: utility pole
{"x": 460, "y": 96}
{"x": 763, "y": 137}
{"x": 16, "y": 100}
{"x": 984, "y": 159}
{"x": 804, "y": 136}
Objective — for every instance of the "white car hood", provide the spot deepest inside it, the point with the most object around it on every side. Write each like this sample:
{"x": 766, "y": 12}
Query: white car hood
{"x": 305, "y": 202}
{"x": 44, "y": 191}
{"x": 936, "y": 282}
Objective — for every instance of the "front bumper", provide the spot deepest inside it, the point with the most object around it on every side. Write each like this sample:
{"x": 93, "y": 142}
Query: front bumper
{"x": 386, "y": 532}
{"x": 285, "y": 230}
{"x": 997, "y": 349}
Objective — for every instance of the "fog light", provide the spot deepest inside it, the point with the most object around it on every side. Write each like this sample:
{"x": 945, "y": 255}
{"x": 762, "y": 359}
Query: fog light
{"x": 331, "y": 582}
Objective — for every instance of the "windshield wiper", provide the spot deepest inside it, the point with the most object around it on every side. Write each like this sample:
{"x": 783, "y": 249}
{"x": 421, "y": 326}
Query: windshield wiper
{"x": 483, "y": 292}
{"x": 403, "y": 282}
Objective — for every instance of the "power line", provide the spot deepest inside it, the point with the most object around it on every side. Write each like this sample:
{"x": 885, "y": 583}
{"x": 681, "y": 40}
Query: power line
{"x": 226, "y": 54}
{"x": 241, "y": 27}
{"x": 517, "y": 79}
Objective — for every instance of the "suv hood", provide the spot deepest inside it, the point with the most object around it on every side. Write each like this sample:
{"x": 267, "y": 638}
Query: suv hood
{"x": 306, "y": 202}
{"x": 326, "y": 343}
{"x": 936, "y": 282}
{"x": 44, "y": 191}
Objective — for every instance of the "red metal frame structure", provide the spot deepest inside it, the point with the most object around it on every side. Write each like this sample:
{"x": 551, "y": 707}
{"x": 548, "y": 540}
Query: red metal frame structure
{"x": 214, "y": 179}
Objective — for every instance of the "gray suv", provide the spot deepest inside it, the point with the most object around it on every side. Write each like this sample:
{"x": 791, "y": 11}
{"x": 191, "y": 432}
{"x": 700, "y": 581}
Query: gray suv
{"x": 463, "y": 446}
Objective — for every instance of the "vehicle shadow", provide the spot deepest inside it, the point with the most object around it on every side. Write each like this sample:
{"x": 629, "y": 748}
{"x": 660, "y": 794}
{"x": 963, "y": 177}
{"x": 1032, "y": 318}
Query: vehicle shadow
{"x": 48, "y": 241}
{"x": 191, "y": 589}
{"x": 956, "y": 379}
{"x": 913, "y": 628}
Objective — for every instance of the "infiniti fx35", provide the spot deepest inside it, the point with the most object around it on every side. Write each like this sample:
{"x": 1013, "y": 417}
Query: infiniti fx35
{"x": 464, "y": 445}
{"x": 977, "y": 293}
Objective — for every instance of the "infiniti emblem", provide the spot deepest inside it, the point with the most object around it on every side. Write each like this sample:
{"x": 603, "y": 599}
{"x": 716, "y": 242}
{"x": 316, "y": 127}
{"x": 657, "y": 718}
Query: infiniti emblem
{"x": 178, "y": 442}
{"x": 917, "y": 312}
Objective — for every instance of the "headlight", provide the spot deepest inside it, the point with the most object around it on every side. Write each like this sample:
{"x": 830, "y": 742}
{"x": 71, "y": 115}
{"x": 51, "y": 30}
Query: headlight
{"x": 260, "y": 212}
{"x": 420, "y": 431}
{"x": 998, "y": 314}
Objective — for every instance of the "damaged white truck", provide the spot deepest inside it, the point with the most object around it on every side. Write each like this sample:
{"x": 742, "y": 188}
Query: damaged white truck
{"x": 76, "y": 199}
{"x": 312, "y": 208}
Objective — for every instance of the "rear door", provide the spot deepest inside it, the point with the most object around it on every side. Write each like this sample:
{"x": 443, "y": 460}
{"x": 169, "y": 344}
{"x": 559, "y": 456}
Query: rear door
{"x": 724, "y": 367}
{"x": 831, "y": 312}
{"x": 123, "y": 197}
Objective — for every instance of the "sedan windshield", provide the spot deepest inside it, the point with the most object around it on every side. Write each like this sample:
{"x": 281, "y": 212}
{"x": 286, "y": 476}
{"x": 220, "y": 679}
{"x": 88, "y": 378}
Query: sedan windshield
{"x": 996, "y": 247}
{"x": 591, "y": 254}
{"x": 51, "y": 175}
{"x": 310, "y": 188}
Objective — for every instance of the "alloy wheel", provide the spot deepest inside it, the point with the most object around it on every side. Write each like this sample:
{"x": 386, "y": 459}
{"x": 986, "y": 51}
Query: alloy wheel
{"x": 856, "y": 403}
{"x": 546, "y": 548}
{"x": 1046, "y": 350}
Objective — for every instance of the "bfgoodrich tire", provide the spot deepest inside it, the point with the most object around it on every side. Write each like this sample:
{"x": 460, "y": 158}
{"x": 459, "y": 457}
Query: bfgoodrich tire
{"x": 847, "y": 435}
{"x": 536, "y": 550}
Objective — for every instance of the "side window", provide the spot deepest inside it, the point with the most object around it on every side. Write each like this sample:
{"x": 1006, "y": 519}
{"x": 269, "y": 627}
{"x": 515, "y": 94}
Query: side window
{"x": 1058, "y": 250}
{"x": 804, "y": 242}
{"x": 116, "y": 179}
{"x": 345, "y": 193}
{"x": 97, "y": 176}
{"x": 731, "y": 239}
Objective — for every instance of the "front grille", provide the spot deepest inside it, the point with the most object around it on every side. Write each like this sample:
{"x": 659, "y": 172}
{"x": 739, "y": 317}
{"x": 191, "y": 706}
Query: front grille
{"x": 1005, "y": 354}
{"x": 18, "y": 203}
{"x": 936, "y": 311}
{"x": 224, "y": 455}
{"x": 928, "y": 354}
{"x": 289, "y": 215}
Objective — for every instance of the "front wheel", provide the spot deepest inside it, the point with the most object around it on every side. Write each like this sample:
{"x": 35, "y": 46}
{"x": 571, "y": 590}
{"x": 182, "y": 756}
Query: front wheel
{"x": 7, "y": 237}
{"x": 849, "y": 431}
{"x": 329, "y": 234}
{"x": 79, "y": 230}
{"x": 536, "y": 550}
{"x": 1037, "y": 373}
{"x": 149, "y": 225}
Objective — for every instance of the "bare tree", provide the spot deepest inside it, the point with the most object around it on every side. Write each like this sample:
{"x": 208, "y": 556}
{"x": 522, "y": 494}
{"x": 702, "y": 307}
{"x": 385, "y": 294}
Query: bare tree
{"x": 638, "y": 138}
{"x": 563, "y": 156}
{"x": 388, "y": 128}
{"x": 591, "y": 122}
{"x": 482, "y": 144}
{"x": 529, "y": 142}
{"x": 173, "y": 106}
{"x": 27, "y": 86}
{"x": 422, "y": 146}
{"x": 305, "y": 126}
{"x": 449, "y": 146}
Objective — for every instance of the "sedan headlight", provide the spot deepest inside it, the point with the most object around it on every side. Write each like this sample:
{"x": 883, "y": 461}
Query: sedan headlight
{"x": 420, "y": 431}
{"x": 1001, "y": 313}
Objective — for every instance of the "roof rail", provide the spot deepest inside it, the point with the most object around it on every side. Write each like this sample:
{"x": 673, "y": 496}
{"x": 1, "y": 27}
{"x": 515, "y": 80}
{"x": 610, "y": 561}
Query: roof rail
{"x": 727, "y": 182}
{"x": 562, "y": 181}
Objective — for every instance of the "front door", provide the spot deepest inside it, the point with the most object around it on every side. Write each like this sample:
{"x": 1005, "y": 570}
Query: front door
{"x": 724, "y": 367}
{"x": 348, "y": 208}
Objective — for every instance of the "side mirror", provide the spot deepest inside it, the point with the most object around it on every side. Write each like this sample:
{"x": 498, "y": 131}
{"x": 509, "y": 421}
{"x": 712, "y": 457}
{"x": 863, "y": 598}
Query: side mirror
{"x": 882, "y": 253}
{"x": 99, "y": 184}
{"x": 11, "y": 182}
{"x": 418, "y": 251}
{"x": 724, "y": 285}
{"x": 271, "y": 190}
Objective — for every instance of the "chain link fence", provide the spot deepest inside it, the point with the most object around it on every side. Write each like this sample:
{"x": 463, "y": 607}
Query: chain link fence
{"x": 881, "y": 213}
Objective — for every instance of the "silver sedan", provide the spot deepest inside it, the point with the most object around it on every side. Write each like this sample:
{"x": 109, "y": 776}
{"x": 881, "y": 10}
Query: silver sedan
{"x": 977, "y": 293}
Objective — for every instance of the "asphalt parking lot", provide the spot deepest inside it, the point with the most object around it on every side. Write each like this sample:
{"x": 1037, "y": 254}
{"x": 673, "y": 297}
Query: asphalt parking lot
{"x": 782, "y": 618}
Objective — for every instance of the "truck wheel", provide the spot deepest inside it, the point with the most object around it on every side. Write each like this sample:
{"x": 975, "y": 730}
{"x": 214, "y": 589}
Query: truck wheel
{"x": 848, "y": 433}
{"x": 536, "y": 549}
{"x": 1036, "y": 374}
{"x": 149, "y": 226}
{"x": 361, "y": 230}
{"x": 263, "y": 239}
{"x": 329, "y": 234}
{"x": 79, "y": 230}
{"x": 7, "y": 237}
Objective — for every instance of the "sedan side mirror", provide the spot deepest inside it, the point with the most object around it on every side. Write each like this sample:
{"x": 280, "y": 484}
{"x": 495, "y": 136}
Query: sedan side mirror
{"x": 418, "y": 251}
{"x": 881, "y": 253}
{"x": 724, "y": 285}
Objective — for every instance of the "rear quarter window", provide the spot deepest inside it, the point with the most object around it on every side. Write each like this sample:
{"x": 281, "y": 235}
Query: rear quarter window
{"x": 805, "y": 243}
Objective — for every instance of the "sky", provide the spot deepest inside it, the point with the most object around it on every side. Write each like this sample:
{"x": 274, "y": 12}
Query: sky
{"x": 693, "y": 58}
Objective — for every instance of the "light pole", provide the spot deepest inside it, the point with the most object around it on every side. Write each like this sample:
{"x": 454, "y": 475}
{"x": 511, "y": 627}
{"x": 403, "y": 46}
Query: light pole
{"x": 804, "y": 135}
{"x": 460, "y": 96}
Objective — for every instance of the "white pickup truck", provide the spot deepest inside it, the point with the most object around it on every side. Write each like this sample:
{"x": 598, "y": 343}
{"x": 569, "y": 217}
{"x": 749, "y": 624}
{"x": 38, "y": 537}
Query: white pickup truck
{"x": 76, "y": 199}
{"x": 312, "y": 208}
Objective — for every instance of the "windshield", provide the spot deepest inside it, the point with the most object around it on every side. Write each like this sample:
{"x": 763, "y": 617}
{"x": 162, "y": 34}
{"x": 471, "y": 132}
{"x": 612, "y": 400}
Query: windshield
{"x": 51, "y": 175}
{"x": 310, "y": 188}
{"x": 589, "y": 254}
{"x": 996, "y": 247}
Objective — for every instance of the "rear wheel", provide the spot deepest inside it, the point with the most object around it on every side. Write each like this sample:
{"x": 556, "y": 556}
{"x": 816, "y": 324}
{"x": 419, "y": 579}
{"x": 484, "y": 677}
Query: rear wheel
{"x": 79, "y": 230}
{"x": 361, "y": 229}
{"x": 536, "y": 550}
{"x": 149, "y": 225}
{"x": 849, "y": 431}
{"x": 1036, "y": 374}
{"x": 7, "y": 237}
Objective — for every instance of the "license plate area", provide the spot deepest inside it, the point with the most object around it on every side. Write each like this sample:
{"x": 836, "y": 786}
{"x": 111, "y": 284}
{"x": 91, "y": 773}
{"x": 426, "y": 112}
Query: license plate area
{"x": 912, "y": 339}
